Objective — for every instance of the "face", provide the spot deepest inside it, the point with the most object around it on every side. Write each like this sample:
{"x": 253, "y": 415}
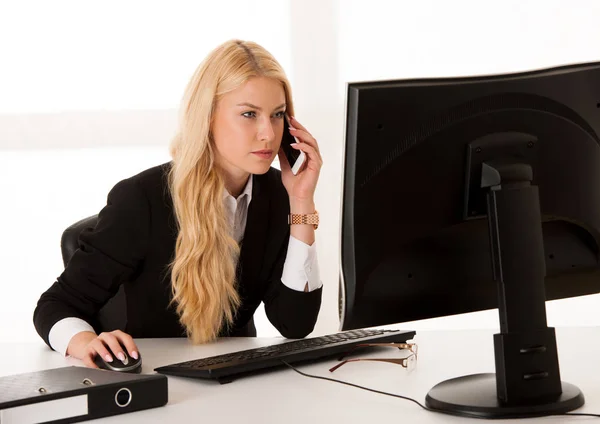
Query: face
{"x": 247, "y": 127}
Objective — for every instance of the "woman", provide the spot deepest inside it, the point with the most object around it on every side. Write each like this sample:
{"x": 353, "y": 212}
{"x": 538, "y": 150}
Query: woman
{"x": 200, "y": 241}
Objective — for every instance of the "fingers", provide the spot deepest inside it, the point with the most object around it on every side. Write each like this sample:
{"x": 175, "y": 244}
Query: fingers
{"x": 306, "y": 138}
{"x": 128, "y": 343}
{"x": 113, "y": 344}
{"x": 99, "y": 348}
{"x": 89, "y": 362}
{"x": 109, "y": 346}
{"x": 88, "y": 358}
{"x": 294, "y": 123}
{"x": 311, "y": 152}
{"x": 303, "y": 133}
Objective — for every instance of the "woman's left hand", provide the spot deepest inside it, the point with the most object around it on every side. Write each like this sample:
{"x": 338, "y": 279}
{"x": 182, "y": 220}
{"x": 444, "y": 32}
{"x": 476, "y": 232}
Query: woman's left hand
{"x": 301, "y": 187}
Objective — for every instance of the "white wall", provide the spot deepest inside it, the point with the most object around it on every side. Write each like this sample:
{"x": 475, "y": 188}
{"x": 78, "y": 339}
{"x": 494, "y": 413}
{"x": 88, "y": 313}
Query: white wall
{"x": 88, "y": 95}
{"x": 84, "y": 74}
{"x": 115, "y": 55}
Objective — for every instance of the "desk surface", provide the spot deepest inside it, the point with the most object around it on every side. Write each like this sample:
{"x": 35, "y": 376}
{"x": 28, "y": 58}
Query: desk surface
{"x": 283, "y": 396}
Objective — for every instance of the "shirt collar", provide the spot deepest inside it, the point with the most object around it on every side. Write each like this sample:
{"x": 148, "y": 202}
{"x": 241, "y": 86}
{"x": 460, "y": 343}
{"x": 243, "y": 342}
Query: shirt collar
{"x": 247, "y": 191}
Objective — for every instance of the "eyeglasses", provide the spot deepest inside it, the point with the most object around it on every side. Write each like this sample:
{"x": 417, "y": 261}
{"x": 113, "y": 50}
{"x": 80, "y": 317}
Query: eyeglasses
{"x": 407, "y": 362}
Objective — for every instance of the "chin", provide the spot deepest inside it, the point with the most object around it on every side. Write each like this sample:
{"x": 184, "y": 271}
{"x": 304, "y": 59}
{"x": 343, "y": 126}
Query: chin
{"x": 259, "y": 169}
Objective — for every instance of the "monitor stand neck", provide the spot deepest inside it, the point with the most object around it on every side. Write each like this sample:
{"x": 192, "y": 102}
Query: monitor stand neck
{"x": 525, "y": 349}
{"x": 527, "y": 379}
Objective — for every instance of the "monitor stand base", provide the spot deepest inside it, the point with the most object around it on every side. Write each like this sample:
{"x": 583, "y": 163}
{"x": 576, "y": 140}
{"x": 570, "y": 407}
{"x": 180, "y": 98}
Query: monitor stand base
{"x": 475, "y": 396}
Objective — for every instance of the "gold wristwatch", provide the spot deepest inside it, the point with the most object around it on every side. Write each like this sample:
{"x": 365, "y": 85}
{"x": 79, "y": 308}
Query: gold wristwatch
{"x": 309, "y": 219}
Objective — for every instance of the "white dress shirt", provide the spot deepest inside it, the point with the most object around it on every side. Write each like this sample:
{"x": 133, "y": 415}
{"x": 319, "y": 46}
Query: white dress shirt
{"x": 300, "y": 270}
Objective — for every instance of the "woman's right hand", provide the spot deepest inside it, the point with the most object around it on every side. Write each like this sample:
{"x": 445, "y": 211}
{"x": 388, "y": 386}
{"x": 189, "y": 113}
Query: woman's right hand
{"x": 86, "y": 345}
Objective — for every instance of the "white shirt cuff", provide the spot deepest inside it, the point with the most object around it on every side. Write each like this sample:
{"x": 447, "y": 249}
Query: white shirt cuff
{"x": 63, "y": 331}
{"x": 301, "y": 266}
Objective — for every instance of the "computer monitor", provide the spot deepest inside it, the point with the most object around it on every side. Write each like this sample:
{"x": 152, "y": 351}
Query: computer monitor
{"x": 465, "y": 194}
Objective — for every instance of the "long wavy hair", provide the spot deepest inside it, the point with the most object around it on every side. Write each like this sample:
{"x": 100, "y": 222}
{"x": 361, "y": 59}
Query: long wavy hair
{"x": 203, "y": 270}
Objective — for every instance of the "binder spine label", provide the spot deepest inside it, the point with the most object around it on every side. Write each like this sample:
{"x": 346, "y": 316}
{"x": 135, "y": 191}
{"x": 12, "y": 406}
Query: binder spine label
{"x": 52, "y": 410}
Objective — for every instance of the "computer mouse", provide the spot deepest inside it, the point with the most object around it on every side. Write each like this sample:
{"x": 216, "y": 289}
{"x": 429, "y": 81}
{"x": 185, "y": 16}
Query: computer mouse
{"x": 130, "y": 364}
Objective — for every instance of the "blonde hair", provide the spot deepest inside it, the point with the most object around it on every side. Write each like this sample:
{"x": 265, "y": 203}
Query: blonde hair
{"x": 203, "y": 274}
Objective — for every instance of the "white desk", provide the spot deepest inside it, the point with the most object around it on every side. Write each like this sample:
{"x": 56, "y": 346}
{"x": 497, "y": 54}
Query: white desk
{"x": 283, "y": 396}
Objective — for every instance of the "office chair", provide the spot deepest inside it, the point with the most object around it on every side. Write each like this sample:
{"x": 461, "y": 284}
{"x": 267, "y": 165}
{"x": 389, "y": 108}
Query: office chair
{"x": 113, "y": 315}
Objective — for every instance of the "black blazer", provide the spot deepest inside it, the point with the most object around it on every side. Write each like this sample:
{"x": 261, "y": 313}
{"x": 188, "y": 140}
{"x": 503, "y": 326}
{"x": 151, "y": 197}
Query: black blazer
{"x": 134, "y": 241}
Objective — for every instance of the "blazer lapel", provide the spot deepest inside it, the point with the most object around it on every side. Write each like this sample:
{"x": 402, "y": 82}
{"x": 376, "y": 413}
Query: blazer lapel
{"x": 255, "y": 235}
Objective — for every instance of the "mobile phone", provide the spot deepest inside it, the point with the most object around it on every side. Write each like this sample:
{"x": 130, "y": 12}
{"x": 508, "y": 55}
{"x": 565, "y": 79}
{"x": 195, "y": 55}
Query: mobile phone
{"x": 294, "y": 157}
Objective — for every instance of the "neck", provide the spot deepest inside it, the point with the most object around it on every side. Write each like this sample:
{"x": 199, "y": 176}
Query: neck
{"x": 234, "y": 184}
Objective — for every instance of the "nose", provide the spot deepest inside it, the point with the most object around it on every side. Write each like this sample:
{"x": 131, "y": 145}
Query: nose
{"x": 266, "y": 132}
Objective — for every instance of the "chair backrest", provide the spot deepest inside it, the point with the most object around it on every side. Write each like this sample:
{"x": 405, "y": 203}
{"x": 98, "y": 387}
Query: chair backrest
{"x": 69, "y": 242}
{"x": 113, "y": 315}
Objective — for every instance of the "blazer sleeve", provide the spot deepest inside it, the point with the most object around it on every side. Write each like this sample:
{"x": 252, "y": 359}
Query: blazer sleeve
{"x": 294, "y": 313}
{"x": 108, "y": 255}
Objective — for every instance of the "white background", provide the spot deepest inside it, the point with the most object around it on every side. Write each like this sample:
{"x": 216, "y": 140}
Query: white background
{"x": 89, "y": 94}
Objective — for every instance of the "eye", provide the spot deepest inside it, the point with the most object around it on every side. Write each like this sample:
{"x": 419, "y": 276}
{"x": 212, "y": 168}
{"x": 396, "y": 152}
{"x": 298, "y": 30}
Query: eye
{"x": 249, "y": 114}
{"x": 280, "y": 114}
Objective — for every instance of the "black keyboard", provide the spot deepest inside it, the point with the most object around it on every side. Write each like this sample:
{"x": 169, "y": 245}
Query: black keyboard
{"x": 225, "y": 368}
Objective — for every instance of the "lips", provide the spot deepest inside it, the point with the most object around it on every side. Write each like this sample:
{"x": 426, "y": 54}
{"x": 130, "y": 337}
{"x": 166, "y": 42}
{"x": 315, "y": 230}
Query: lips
{"x": 264, "y": 154}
